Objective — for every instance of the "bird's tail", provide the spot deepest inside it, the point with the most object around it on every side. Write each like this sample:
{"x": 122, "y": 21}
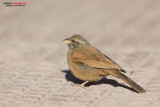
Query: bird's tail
{"x": 130, "y": 82}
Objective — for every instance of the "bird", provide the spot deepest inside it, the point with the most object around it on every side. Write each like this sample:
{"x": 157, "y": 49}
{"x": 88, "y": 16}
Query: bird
{"x": 89, "y": 64}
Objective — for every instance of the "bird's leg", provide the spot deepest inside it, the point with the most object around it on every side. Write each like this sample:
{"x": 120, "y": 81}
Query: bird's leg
{"x": 83, "y": 84}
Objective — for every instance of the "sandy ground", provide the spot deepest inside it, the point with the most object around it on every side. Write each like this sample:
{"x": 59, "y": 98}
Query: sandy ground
{"x": 33, "y": 64}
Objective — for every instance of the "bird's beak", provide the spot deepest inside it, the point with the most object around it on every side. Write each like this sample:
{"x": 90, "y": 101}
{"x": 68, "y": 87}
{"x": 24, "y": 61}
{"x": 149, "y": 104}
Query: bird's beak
{"x": 67, "y": 41}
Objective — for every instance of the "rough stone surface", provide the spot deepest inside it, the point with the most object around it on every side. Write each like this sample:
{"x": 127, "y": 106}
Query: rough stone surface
{"x": 33, "y": 65}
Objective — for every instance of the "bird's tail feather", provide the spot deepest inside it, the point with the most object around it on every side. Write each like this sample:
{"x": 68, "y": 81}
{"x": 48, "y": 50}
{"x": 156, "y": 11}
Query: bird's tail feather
{"x": 130, "y": 82}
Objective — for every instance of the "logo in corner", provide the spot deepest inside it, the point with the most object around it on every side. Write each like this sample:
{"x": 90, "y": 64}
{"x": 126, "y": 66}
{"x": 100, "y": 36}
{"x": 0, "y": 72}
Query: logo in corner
{"x": 11, "y": 4}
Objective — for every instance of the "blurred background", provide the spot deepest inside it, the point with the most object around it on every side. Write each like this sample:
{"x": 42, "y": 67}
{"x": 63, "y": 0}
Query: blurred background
{"x": 32, "y": 48}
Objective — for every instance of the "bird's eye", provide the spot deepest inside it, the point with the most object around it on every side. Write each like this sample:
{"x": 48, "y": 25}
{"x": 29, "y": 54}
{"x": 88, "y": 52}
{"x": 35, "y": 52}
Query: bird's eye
{"x": 73, "y": 40}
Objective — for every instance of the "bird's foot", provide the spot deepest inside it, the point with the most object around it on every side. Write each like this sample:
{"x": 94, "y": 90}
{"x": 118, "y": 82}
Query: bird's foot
{"x": 82, "y": 85}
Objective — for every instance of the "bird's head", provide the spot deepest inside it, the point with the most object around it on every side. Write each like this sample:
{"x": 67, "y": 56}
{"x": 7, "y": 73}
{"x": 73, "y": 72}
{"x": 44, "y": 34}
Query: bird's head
{"x": 76, "y": 42}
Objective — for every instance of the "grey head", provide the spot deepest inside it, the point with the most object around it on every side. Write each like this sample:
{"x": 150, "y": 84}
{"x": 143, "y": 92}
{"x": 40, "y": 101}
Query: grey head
{"x": 76, "y": 41}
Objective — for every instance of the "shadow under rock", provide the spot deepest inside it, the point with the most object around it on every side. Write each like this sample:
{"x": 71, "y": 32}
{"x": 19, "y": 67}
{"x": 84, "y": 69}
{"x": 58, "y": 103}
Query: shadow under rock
{"x": 70, "y": 77}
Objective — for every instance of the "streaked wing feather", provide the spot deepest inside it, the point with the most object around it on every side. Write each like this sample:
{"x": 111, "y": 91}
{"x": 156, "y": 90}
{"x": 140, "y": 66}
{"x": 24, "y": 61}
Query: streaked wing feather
{"x": 94, "y": 58}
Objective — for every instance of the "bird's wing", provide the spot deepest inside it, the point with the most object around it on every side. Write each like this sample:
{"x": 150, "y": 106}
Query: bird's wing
{"x": 94, "y": 58}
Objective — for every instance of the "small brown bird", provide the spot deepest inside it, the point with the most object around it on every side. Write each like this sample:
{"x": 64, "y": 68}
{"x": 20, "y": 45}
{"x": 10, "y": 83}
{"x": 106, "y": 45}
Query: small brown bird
{"x": 90, "y": 65}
